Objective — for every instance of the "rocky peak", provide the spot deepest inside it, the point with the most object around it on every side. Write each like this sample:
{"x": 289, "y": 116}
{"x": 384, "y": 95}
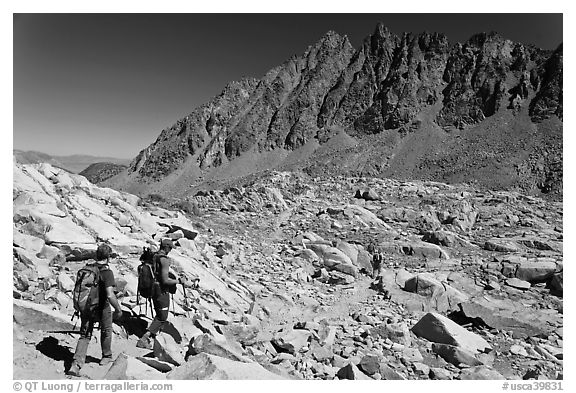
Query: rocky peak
{"x": 390, "y": 83}
{"x": 548, "y": 100}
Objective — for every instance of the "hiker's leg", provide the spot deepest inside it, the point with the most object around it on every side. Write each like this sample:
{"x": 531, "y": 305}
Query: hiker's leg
{"x": 161, "y": 307}
{"x": 86, "y": 327}
{"x": 106, "y": 332}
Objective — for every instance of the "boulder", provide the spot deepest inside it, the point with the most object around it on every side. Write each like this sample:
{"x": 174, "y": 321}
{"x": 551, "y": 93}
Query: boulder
{"x": 320, "y": 352}
{"x": 20, "y": 281}
{"x": 349, "y": 250}
{"x": 166, "y": 349}
{"x": 518, "y": 284}
{"x": 364, "y": 262}
{"x": 241, "y": 333}
{"x": 334, "y": 259}
{"x": 463, "y": 216}
{"x": 443, "y": 297}
{"x": 364, "y": 215}
{"x": 64, "y": 231}
{"x": 421, "y": 370}
{"x": 39, "y": 316}
{"x": 539, "y": 244}
{"x": 30, "y": 243}
{"x": 501, "y": 245}
{"x": 65, "y": 282}
{"x": 537, "y": 271}
{"x": 424, "y": 284}
{"x": 480, "y": 372}
{"x": 78, "y": 251}
{"x": 327, "y": 335}
{"x": 396, "y": 332}
{"x": 189, "y": 245}
{"x": 292, "y": 340}
{"x": 128, "y": 368}
{"x": 424, "y": 221}
{"x": 440, "y": 374}
{"x": 40, "y": 266}
{"x": 369, "y": 364}
{"x": 186, "y": 328}
{"x": 441, "y": 238}
{"x": 176, "y": 235}
{"x": 502, "y": 316}
{"x": 350, "y": 371}
{"x": 412, "y": 355}
{"x": 370, "y": 195}
{"x": 439, "y": 329}
{"x": 424, "y": 250}
{"x": 343, "y": 268}
{"x": 325, "y": 253}
{"x": 388, "y": 373}
{"x": 159, "y": 365}
{"x": 455, "y": 355}
{"x": 175, "y": 225}
{"x": 338, "y": 278}
{"x": 492, "y": 284}
{"x": 207, "y": 327}
{"x": 556, "y": 284}
{"x": 300, "y": 275}
{"x": 210, "y": 367}
{"x": 206, "y": 344}
{"x": 403, "y": 276}
{"x": 50, "y": 253}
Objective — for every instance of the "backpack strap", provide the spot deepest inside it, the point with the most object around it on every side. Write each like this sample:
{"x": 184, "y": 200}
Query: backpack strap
{"x": 158, "y": 269}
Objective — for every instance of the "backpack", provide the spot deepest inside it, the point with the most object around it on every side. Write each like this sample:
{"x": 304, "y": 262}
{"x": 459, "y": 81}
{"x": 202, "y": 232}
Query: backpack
{"x": 86, "y": 294}
{"x": 147, "y": 278}
{"x": 158, "y": 269}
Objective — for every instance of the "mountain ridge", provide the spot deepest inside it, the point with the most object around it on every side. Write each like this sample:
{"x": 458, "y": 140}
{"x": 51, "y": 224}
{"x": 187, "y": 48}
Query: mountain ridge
{"x": 74, "y": 163}
{"x": 408, "y": 84}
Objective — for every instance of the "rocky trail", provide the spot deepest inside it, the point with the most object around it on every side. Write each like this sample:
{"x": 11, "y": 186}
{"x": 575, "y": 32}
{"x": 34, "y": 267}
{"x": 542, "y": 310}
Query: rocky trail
{"x": 470, "y": 285}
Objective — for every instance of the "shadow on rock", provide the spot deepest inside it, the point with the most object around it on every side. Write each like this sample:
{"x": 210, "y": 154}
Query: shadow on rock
{"x": 132, "y": 324}
{"x": 50, "y": 347}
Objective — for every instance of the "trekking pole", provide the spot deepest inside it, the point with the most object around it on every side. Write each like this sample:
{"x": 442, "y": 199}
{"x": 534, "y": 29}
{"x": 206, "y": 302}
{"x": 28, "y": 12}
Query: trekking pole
{"x": 186, "y": 301}
{"x": 138, "y": 301}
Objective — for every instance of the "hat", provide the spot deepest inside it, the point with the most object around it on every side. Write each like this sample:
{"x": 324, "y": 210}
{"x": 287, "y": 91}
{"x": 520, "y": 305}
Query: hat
{"x": 103, "y": 252}
{"x": 166, "y": 243}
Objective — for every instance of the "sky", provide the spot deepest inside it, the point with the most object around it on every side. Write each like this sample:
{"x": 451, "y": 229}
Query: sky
{"x": 107, "y": 84}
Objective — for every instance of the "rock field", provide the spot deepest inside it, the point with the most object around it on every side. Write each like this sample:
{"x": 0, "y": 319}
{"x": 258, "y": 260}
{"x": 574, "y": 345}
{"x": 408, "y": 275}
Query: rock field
{"x": 470, "y": 286}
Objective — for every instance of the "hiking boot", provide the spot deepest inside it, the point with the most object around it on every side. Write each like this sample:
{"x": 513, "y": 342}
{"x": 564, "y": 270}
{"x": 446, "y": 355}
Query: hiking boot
{"x": 145, "y": 342}
{"x": 105, "y": 360}
{"x": 74, "y": 370}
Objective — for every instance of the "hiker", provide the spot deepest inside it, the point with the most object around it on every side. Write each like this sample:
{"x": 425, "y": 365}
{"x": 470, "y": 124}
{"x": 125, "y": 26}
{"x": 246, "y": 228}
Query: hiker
{"x": 377, "y": 260}
{"x": 161, "y": 299}
{"x": 102, "y": 314}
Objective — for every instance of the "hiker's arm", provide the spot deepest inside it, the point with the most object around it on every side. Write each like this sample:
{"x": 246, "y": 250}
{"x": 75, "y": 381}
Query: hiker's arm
{"x": 166, "y": 280}
{"x": 113, "y": 301}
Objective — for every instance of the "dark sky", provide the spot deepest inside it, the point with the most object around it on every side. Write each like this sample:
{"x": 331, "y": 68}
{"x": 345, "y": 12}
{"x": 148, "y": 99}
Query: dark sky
{"x": 107, "y": 84}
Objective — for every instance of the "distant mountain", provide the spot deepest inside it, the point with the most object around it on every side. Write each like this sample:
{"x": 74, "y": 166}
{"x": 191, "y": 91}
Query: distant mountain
{"x": 488, "y": 111}
{"x": 100, "y": 171}
{"x": 75, "y": 163}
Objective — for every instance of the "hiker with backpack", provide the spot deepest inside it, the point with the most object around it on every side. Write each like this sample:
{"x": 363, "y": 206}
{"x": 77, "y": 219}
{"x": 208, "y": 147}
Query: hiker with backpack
{"x": 93, "y": 295}
{"x": 158, "y": 291}
{"x": 377, "y": 260}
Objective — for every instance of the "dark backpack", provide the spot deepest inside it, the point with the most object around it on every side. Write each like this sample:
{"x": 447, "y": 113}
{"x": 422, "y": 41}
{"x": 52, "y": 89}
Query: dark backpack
{"x": 86, "y": 295}
{"x": 147, "y": 277}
